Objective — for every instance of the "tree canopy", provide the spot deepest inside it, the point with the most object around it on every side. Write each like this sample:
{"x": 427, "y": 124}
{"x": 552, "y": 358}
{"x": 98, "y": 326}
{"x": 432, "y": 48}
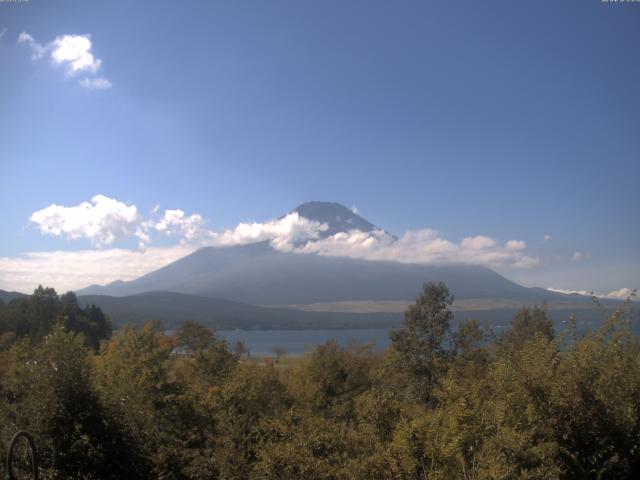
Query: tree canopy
{"x": 35, "y": 316}
{"x": 446, "y": 400}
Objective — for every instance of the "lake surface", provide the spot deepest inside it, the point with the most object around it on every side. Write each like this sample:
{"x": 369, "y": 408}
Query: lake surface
{"x": 297, "y": 342}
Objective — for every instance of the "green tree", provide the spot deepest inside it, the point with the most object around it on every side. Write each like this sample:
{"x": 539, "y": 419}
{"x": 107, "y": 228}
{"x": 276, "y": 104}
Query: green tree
{"x": 528, "y": 323}
{"x": 420, "y": 341}
{"x": 299, "y": 445}
{"x": 50, "y": 393}
{"x": 331, "y": 378}
{"x": 136, "y": 383}
{"x": 596, "y": 403}
{"x": 193, "y": 336}
{"x": 252, "y": 394}
{"x": 34, "y": 317}
{"x": 91, "y": 322}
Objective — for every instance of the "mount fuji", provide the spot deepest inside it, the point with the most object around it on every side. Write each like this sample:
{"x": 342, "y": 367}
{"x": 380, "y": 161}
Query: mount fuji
{"x": 259, "y": 276}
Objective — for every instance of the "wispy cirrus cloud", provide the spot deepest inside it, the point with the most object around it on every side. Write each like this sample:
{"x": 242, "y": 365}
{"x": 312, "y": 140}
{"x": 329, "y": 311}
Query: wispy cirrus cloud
{"x": 98, "y": 83}
{"x": 74, "y": 53}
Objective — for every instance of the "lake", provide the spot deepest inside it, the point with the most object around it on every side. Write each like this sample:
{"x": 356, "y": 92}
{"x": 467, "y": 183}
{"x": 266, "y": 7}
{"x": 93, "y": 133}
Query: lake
{"x": 297, "y": 342}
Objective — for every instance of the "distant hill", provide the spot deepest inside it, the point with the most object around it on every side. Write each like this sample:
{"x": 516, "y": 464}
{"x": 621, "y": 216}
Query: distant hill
{"x": 6, "y": 297}
{"x": 172, "y": 308}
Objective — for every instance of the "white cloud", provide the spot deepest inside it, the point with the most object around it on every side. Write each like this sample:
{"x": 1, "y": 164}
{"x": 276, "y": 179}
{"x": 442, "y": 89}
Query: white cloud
{"x": 421, "y": 246}
{"x": 74, "y": 54}
{"x": 547, "y": 238}
{"x": 103, "y": 220}
{"x": 106, "y": 220}
{"x": 515, "y": 245}
{"x": 569, "y": 291}
{"x": 478, "y": 243}
{"x": 580, "y": 256}
{"x": 283, "y": 233}
{"x": 4, "y": 30}
{"x": 621, "y": 294}
{"x": 175, "y": 222}
{"x": 37, "y": 50}
{"x": 97, "y": 83}
{"x": 354, "y": 209}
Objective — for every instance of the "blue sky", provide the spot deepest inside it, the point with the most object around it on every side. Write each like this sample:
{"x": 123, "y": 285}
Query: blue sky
{"x": 508, "y": 120}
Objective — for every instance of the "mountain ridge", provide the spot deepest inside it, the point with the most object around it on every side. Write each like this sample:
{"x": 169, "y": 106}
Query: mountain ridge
{"x": 171, "y": 309}
{"x": 6, "y": 296}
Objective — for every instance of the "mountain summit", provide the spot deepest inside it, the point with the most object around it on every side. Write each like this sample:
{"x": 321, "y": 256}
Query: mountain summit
{"x": 338, "y": 217}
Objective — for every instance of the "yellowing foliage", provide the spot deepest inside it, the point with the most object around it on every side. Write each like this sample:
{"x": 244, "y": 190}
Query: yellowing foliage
{"x": 444, "y": 402}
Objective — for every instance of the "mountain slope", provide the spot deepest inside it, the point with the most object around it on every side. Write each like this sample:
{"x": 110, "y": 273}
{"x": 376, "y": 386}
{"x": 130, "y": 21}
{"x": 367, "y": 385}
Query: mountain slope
{"x": 259, "y": 275}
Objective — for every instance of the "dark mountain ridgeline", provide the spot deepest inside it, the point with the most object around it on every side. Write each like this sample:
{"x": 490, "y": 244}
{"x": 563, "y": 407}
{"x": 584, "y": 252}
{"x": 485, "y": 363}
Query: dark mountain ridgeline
{"x": 171, "y": 309}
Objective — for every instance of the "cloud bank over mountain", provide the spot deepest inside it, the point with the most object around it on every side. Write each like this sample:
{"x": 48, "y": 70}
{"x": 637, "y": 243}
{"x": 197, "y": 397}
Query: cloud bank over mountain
{"x": 105, "y": 222}
{"x": 423, "y": 246}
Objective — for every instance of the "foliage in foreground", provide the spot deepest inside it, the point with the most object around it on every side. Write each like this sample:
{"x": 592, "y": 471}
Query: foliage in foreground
{"x": 438, "y": 404}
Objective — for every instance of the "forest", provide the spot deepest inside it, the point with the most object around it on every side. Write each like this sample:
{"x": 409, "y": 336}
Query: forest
{"x": 445, "y": 401}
